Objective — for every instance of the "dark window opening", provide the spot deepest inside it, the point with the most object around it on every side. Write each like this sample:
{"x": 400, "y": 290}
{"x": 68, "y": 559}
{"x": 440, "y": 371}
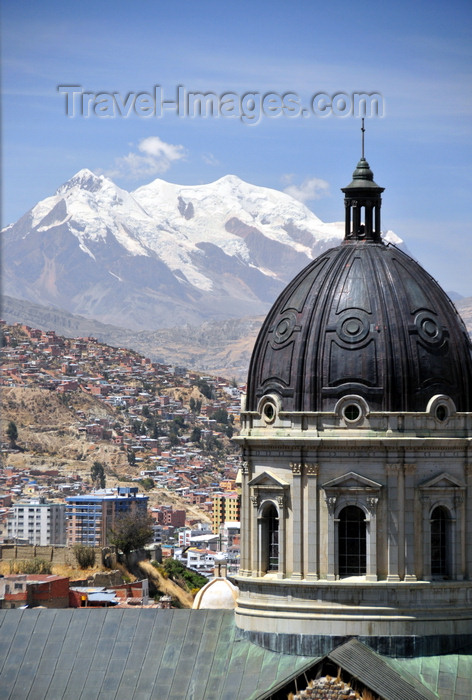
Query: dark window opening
{"x": 439, "y": 535}
{"x": 352, "y": 412}
{"x": 441, "y": 412}
{"x": 273, "y": 538}
{"x": 352, "y": 542}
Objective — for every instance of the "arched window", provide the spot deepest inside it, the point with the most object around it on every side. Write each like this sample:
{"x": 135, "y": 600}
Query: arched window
{"x": 352, "y": 542}
{"x": 269, "y": 538}
{"x": 272, "y": 519}
{"x": 439, "y": 542}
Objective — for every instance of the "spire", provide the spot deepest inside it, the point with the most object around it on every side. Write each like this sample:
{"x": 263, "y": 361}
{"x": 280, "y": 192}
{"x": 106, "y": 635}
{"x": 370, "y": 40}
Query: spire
{"x": 362, "y": 202}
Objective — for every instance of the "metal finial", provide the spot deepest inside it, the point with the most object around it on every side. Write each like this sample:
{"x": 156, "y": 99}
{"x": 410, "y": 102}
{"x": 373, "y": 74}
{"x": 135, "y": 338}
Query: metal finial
{"x": 362, "y": 130}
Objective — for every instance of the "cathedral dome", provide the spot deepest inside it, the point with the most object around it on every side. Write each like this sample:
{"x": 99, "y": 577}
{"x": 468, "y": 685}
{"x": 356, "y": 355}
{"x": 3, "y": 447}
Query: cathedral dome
{"x": 363, "y": 319}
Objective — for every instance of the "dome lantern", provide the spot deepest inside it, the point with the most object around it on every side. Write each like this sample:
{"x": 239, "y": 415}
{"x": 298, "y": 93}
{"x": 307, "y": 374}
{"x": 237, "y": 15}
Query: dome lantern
{"x": 362, "y": 203}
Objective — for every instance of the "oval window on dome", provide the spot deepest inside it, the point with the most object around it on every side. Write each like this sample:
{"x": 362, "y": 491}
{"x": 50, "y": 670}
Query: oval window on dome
{"x": 352, "y": 412}
{"x": 269, "y": 412}
{"x": 352, "y": 409}
{"x": 441, "y": 407}
{"x": 441, "y": 412}
{"x": 269, "y": 406}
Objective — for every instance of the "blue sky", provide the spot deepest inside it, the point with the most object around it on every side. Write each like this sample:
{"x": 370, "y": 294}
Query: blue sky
{"x": 417, "y": 56}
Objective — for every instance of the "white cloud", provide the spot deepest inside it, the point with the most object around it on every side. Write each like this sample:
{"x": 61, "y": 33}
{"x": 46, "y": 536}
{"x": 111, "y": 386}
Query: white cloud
{"x": 154, "y": 158}
{"x": 210, "y": 159}
{"x": 311, "y": 188}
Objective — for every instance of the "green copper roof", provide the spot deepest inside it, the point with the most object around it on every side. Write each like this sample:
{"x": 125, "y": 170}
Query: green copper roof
{"x": 105, "y": 654}
{"x": 148, "y": 654}
{"x": 363, "y": 178}
{"x": 449, "y": 676}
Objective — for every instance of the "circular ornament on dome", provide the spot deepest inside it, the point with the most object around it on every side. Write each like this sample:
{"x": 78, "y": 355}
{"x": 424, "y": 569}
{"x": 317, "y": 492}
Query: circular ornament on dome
{"x": 428, "y": 328}
{"x": 441, "y": 407}
{"x": 269, "y": 407}
{"x": 352, "y": 409}
{"x": 353, "y": 328}
{"x": 284, "y": 328}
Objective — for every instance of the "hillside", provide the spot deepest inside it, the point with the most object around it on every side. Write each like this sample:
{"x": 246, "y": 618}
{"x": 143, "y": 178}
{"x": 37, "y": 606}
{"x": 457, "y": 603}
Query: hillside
{"x": 218, "y": 347}
{"x": 112, "y": 406}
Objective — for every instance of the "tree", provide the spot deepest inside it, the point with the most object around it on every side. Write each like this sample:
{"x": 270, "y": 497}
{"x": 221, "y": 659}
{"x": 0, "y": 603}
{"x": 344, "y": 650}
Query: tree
{"x": 12, "y": 433}
{"x": 205, "y": 388}
{"x": 147, "y": 483}
{"x": 97, "y": 473}
{"x": 196, "y": 434}
{"x": 84, "y": 555}
{"x": 132, "y": 530}
{"x": 220, "y": 415}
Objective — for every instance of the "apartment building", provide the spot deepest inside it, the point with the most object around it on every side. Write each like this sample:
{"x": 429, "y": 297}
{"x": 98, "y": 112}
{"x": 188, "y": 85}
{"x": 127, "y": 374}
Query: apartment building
{"x": 226, "y": 506}
{"x": 39, "y": 522}
{"x": 91, "y": 517}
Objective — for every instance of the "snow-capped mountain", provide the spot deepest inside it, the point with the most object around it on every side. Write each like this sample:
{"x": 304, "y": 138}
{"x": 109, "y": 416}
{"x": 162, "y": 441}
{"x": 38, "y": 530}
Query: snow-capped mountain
{"x": 164, "y": 254}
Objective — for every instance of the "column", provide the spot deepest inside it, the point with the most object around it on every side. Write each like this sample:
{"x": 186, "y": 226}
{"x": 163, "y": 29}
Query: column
{"x": 347, "y": 218}
{"x": 282, "y": 537}
{"x": 393, "y": 515}
{"x": 371, "y": 572}
{"x": 458, "y": 535}
{"x": 377, "y": 219}
{"x": 368, "y": 219}
{"x": 409, "y": 519}
{"x": 245, "y": 565}
{"x": 255, "y": 560}
{"x": 356, "y": 219}
{"x": 426, "y": 535}
{"x": 297, "y": 521}
{"x": 332, "y": 543}
{"x": 311, "y": 524}
{"x": 468, "y": 518}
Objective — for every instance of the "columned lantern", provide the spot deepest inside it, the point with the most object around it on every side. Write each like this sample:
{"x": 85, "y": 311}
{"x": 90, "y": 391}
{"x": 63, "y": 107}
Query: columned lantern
{"x": 357, "y": 454}
{"x": 362, "y": 203}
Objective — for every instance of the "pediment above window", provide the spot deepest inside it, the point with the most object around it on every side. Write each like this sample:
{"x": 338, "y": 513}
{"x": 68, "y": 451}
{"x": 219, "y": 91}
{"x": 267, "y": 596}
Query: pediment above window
{"x": 441, "y": 482}
{"x": 268, "y": 480}
{"x": 352, "y": 481}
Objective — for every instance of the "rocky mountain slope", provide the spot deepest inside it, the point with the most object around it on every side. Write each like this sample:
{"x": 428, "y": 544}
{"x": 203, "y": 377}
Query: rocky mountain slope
{"x": 223, "y": 348}
{"x": 163, "y": 255}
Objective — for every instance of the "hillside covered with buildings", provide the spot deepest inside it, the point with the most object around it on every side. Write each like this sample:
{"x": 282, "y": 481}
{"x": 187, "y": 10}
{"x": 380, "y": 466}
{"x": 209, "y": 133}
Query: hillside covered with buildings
{"x": 87, "y": 428}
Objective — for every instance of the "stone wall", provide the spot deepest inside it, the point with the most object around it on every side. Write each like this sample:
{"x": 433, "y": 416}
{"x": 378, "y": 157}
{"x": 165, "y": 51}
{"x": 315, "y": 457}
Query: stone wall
{"x": 55, "y": 554}
{"x": 327, "y": 688}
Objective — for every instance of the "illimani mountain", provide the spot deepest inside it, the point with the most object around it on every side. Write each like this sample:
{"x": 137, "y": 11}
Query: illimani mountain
{"x": 163, "y": 255}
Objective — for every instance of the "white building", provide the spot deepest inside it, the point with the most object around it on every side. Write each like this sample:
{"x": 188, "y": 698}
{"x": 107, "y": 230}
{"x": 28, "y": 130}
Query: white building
{"x": 40, "y": 522}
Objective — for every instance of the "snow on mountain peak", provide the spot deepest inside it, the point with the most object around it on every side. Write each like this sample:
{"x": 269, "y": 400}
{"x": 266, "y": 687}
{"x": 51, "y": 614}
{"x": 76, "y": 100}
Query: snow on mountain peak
{"x": 196, "y": 251}
{"x": 85, "y": 179}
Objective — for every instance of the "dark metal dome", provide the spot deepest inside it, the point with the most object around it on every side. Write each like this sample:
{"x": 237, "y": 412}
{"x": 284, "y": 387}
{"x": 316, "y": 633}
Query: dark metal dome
{"x": 362, "y": 319}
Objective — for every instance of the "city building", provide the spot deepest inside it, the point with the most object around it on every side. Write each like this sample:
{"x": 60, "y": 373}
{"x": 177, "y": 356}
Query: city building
{"x": 226, "y": 506}
{"x": 39, "y": 522}
{"x": 33, "y": 590}
{"x": 91, "y": 517}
